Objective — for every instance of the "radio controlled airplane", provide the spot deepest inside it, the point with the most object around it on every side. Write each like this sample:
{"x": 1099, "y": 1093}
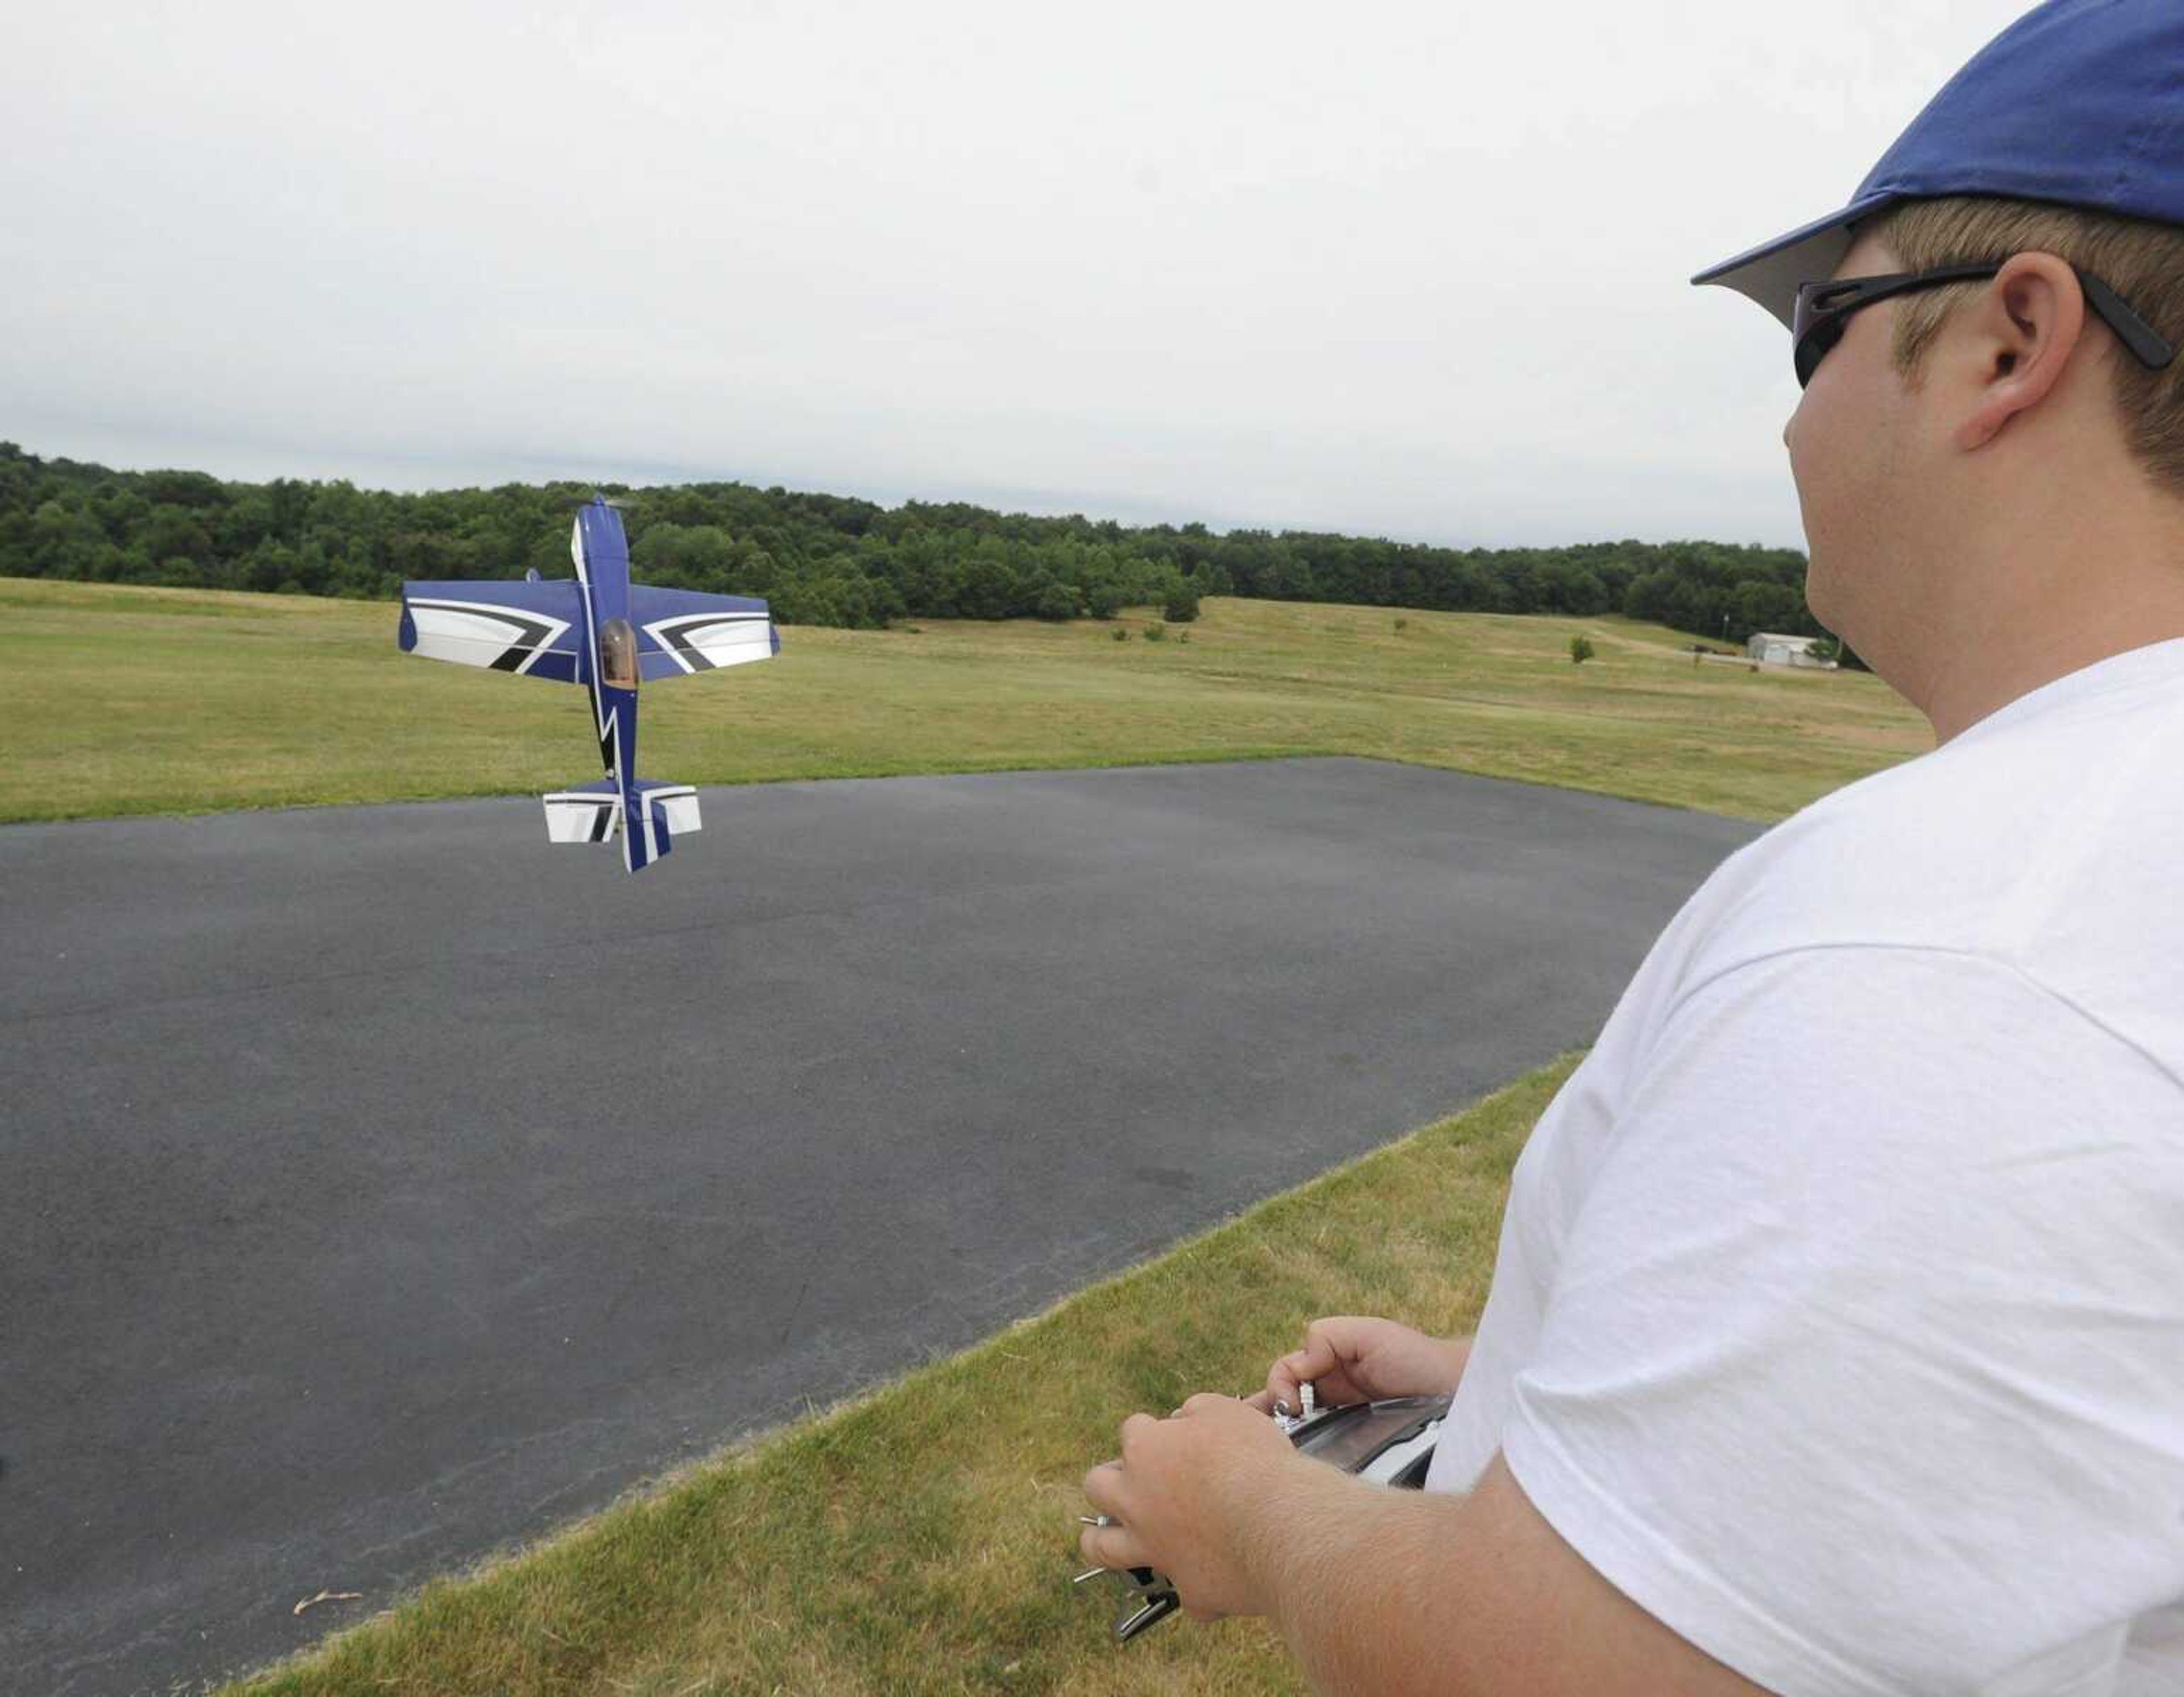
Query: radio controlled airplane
{"x": 609, "y": 634}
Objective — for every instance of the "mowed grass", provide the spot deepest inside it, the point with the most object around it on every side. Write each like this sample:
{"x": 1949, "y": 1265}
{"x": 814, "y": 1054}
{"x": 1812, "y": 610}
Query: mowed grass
{"x": 921, "y": 1539}
{"x": 135, "y": 700}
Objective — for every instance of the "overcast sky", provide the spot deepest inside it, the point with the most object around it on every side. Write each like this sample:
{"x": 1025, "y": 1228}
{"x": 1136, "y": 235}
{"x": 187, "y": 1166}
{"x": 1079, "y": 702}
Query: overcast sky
{"x": 1417, "y": 270}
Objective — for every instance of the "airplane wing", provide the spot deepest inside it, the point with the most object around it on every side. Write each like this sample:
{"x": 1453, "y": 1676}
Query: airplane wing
{"x": 531, "y": 628}
{"x": 681, "y": 631}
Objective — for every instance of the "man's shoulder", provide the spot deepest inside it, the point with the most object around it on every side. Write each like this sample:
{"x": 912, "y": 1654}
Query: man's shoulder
{"x": 1979, "y": 850}
{"x": 1881, "y": 861}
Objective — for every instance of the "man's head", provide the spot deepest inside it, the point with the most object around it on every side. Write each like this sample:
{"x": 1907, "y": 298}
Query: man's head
{"x": 1992, "y": 481}
{"x": 1952, "y": 427}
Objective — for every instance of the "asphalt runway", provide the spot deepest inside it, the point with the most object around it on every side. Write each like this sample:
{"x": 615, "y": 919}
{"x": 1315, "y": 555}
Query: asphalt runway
{"x": 386, "y": 1184}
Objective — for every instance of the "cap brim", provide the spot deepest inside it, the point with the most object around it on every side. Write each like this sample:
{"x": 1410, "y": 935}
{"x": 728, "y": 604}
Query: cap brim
{"x": 1770, "y": 274}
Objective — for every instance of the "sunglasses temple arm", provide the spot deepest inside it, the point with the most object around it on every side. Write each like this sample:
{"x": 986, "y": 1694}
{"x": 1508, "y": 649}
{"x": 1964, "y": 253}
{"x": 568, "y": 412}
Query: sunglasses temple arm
{"x": 2132, "y": 331}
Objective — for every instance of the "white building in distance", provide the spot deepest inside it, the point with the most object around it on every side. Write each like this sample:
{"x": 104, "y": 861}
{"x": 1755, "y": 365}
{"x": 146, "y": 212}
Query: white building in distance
{"x": 1771, "y": 649}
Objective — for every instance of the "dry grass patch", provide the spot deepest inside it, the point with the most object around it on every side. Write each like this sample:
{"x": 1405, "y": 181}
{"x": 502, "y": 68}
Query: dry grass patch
{"x": 172, "y": 700}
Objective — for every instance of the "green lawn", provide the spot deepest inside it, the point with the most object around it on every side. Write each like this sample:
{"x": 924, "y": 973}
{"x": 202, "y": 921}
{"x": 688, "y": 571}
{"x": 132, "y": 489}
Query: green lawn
{"x": 921, "y": 1538}
{"x": 167, "y": 701}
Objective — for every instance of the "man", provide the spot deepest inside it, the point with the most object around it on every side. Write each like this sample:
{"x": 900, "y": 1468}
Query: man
{"x": 1836, "y": 1338}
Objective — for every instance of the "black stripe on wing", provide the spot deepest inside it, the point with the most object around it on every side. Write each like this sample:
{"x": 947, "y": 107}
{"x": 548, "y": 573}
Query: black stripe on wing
{"x": 531, "y": 634}
{"x": 679, "y": 633}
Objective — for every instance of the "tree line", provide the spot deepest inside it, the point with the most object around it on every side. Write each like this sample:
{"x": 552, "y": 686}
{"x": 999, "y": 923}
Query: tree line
{"x": 835, "y": 560}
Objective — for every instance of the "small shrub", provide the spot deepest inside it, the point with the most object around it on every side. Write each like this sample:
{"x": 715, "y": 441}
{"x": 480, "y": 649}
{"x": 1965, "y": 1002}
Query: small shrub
{"x": 1580, "y": 650}
{"x": 1402, "y": 625}
{"x": 1156, "y": 633}
{"x": 1183, "y": 636}
{"x": 1182, "y": 606}
{"x": 1121, "y": 633}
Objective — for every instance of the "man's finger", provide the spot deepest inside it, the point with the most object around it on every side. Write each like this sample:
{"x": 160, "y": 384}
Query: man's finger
{"x": 1205, "y": 1399}
{"x": 1103, "y": 1489}
{"x": 1112, "y": 1547}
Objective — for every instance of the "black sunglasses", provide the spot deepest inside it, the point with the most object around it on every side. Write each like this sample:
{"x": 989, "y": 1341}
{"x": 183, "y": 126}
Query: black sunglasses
{"x": 1823, "y": 308}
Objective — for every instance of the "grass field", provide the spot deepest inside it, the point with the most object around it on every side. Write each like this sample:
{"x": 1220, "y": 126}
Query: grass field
{"x": 921, "y": 1539}
{"x": 170, "y": 700}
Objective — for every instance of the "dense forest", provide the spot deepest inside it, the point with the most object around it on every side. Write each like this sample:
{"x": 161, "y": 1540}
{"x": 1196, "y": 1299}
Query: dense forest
{"x": 834, "y": 560}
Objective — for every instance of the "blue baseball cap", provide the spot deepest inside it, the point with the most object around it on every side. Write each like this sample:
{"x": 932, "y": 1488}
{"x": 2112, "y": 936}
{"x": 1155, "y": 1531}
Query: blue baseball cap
{"x": 2079, "y": 102}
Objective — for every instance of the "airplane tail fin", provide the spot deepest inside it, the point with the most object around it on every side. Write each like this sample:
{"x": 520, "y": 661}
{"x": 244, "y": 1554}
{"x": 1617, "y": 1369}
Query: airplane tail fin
{"x": 647, "y": 819}
{"x": 654, "y": 814}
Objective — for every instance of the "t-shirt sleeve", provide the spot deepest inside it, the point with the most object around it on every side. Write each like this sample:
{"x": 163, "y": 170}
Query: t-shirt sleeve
{"x": 1863, "y": 1368}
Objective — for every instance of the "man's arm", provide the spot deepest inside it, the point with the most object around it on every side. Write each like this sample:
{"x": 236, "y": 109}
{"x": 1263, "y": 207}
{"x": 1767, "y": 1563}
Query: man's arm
{"x": 1872, "y": 1389}
{"x": 1384, "y": 1592}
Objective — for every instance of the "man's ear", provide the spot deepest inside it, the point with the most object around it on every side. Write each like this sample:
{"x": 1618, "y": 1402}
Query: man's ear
{"x": 2012, "y": 344}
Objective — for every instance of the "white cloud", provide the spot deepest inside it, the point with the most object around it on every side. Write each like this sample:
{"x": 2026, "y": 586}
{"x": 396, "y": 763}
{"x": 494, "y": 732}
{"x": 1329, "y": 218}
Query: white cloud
{"x": 1410, "y": 269}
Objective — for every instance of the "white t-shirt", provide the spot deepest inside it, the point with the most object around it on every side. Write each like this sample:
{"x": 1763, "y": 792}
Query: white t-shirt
{"x": 1838, "y": 1319}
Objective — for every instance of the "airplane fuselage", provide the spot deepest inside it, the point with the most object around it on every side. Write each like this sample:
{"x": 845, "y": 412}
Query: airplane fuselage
{"x": 611, "y": 650}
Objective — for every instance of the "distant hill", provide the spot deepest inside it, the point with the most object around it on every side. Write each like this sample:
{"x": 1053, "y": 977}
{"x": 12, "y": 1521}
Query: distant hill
{"x": 834, "y": 560}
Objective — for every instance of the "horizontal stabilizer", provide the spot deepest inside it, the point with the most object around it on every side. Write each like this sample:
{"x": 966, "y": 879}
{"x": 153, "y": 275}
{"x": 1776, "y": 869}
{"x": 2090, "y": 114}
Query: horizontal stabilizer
{"x": 674, "y": 805}
{"x": 593, "y": 812}
{"x": 583, "y": 816}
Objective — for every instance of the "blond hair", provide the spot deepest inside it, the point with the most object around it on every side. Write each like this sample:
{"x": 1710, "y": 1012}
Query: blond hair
{"x": 2142, "y": 261}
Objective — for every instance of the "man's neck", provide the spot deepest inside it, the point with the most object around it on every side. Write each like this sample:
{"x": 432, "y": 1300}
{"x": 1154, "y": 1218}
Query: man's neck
{"x": 2111, "y": 613}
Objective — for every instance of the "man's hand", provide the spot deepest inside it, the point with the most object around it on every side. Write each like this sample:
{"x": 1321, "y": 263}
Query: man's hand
{"x": 1177, "y": 1492}
{"x": 1380, "y": 1593}
{"x": 1349, "y": 1359}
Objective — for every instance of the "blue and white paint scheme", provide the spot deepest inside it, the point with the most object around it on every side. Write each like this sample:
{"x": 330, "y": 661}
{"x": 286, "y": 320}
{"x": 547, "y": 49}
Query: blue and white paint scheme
{"x": 610, "y": 635}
